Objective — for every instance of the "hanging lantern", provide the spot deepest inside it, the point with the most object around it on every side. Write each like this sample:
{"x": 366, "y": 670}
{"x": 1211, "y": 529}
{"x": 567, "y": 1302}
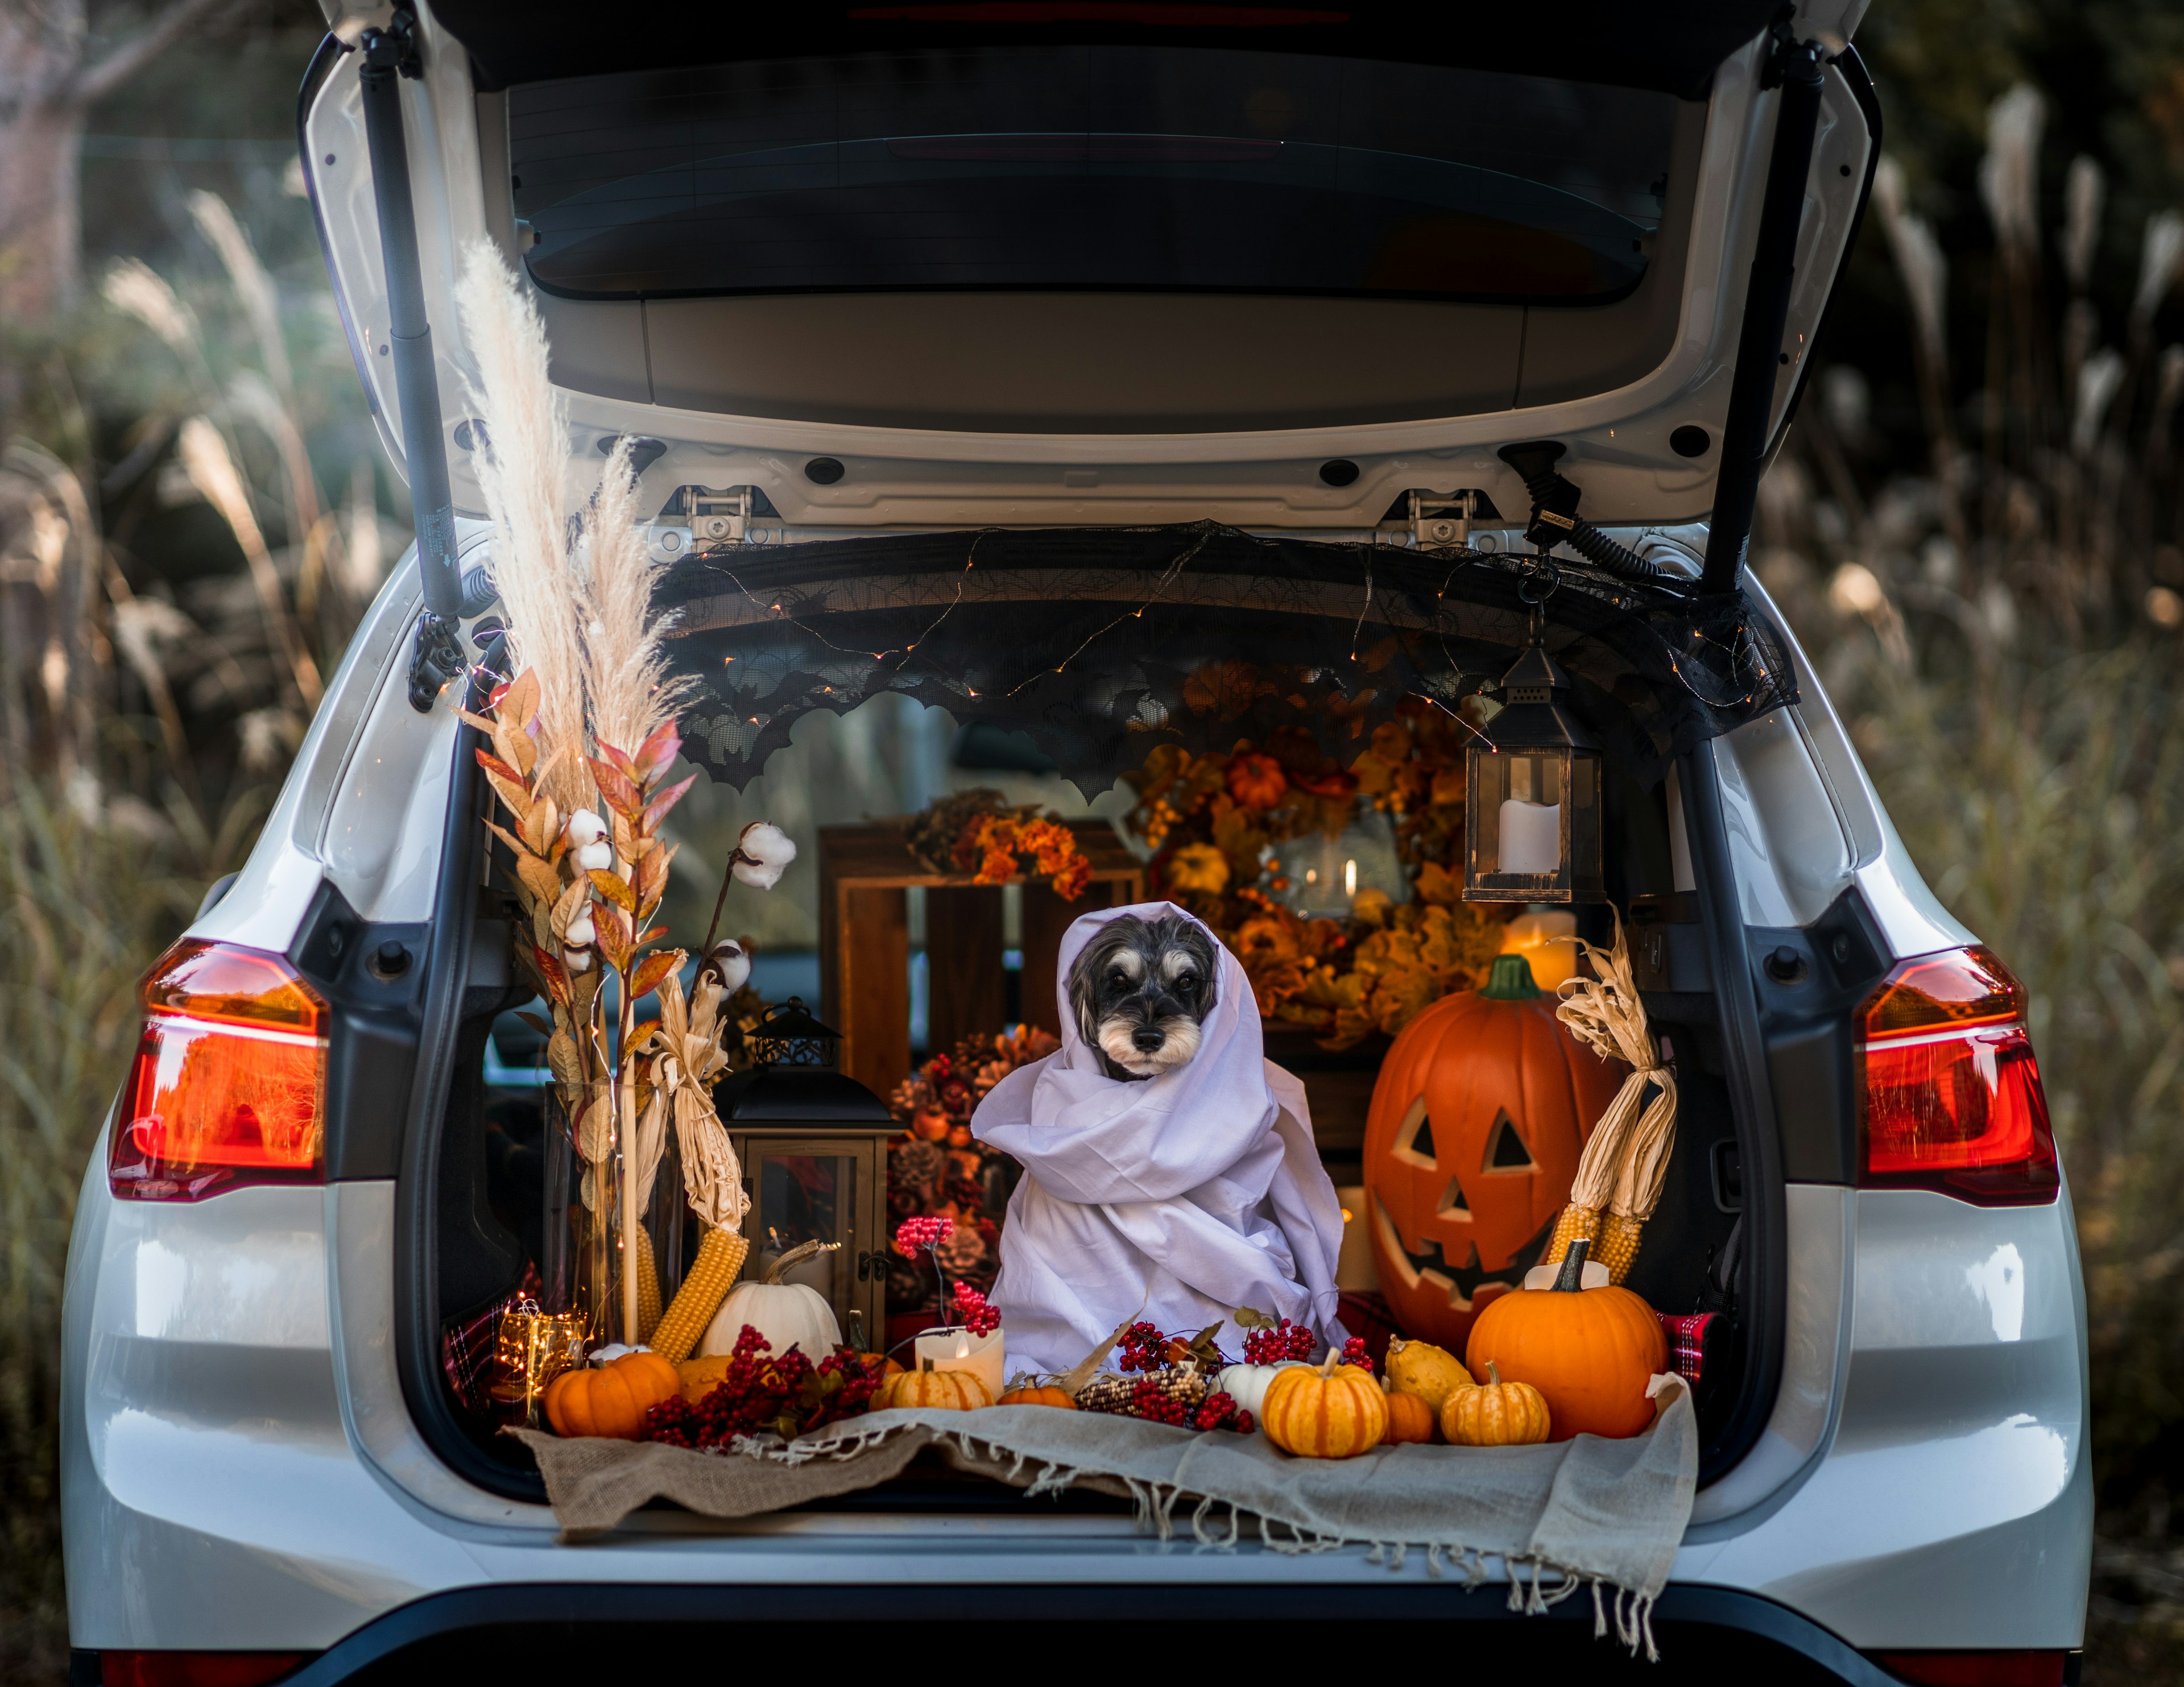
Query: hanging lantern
{"x": 812, "y": 1144}
{"x": 1531, "y": 821}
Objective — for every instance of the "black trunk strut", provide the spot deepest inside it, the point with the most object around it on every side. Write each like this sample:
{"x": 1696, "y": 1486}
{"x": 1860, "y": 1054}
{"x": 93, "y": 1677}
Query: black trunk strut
{"x": 389, "y": 54}
{"x": 1794, "y": 66}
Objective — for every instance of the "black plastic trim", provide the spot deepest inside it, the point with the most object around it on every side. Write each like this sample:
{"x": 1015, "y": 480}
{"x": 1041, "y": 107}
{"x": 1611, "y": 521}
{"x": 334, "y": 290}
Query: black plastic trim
{"x": 780, "y": 1622}
{"x": 1766, "y": 1223}
{"x": 441, "y": 981}
{"x": 371, "y": 1052}
{"x": 1808, "y": 1019}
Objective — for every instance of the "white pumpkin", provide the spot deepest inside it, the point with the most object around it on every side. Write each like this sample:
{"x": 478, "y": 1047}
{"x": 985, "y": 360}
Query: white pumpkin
{"x": 787, "y": 1314}
{"x": 1246, "y": 1385}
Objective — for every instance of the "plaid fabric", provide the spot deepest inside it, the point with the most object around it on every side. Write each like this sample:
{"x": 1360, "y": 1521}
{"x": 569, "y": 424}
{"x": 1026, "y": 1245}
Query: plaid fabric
{"x": 466, "y": 1346}
{"x": 1368, "y": 1315}
{"x": 1686, "y": 1334}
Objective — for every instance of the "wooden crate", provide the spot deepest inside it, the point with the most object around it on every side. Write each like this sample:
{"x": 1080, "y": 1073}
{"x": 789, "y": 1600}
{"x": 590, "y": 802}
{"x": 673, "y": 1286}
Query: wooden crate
{"x": 864, "y": 943}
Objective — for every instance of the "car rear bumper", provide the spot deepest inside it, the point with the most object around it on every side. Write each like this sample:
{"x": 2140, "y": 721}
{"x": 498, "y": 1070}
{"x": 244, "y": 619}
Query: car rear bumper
{"x": 562, "y": 1629}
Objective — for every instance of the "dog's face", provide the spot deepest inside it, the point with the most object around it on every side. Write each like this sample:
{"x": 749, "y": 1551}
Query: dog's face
{"x": 1141, "y": 989}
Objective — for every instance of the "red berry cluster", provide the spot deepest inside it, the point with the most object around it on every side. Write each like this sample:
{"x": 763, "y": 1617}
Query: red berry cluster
{"x": 787, "y": 1395}
{"x": 1221, "y": 1411}
{"x": 1143, "y": 1348}
{"x": 1354, "y": 1353}
{"x": 980, "y": 1315}
{"x": 1271, "y": 1347}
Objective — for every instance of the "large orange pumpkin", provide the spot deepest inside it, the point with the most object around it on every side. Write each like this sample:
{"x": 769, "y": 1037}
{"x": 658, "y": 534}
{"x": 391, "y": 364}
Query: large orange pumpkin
{"x": 1589, "y": 1352}
{"x": 1481, "y": 1110}
{"x": 612, "y": 1399}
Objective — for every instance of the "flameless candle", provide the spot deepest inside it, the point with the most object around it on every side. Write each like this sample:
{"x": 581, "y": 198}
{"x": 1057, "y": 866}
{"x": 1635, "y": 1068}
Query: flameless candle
{"x": 955, "y": 1348}
{"x": 1531, "y": 840}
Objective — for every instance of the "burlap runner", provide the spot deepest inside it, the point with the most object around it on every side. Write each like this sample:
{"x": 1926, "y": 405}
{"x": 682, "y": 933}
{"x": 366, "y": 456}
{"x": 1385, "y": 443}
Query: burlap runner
{"x": 1586, "y": 1512}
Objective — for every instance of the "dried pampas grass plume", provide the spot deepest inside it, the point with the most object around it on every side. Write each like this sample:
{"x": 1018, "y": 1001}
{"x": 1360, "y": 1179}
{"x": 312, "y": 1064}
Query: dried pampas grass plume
{"x": 522, "y": 464}
{"x": 625, "y": 667}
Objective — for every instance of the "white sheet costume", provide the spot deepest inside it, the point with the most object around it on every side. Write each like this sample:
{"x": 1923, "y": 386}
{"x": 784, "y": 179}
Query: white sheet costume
{"x": 1177, "y": 1199}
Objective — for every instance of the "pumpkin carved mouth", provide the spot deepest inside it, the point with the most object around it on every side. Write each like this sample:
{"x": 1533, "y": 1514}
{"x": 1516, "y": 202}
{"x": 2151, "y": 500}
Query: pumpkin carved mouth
{"x": 1462, "y": 1282}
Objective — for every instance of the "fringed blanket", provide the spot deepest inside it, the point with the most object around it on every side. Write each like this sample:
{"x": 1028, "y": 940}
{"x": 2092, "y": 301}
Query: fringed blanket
{"x": 1606, "y": 1516}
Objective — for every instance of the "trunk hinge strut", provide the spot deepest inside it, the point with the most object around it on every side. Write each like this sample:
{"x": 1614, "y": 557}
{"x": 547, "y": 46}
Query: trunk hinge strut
{"x": 437, "y": 656}
{"x": 1795, "y": 67}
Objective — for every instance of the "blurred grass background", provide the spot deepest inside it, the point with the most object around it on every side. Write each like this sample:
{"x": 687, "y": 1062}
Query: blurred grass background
{"x": 1975, "y": 530}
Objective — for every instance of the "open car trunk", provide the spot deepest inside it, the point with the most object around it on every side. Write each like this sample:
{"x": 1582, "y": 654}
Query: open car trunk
{"x": 1085, "y": 668}
{"x": 1075, "y": 386}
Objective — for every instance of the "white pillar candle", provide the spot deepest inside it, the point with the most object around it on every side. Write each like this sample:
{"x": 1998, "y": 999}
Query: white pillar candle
{"x": 957, "y": 1349}
{"x": 1531, "y": 838}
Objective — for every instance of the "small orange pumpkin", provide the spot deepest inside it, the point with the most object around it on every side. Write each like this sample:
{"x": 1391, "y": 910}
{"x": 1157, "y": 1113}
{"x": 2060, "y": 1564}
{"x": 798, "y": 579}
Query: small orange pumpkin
{"x": 1589, "y": 1352}
{"x": 1334, "y": 1412}
{"x": 934, "y": 1390}
{"x": 1409, "y": 1419}
{"x": 1496, "y": 1414}
{"x": 880, "y": 1366}
{"x": 611, "y": 1400}
{"x": 1038, "y": 1394}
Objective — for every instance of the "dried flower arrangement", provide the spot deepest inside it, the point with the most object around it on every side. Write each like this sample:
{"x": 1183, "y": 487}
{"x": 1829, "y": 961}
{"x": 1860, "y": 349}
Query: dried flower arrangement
{"x": 1211, "y": 821}
{"x": 587, "y": 722}
{"x": 937, "y": 1170}
{"x": 977, "y": 832}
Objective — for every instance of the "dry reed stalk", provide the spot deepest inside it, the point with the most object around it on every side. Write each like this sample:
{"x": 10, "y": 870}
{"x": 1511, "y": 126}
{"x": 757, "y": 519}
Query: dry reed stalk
{"x": 205, "y": 459}
{"x": 522, "y": 465}
{"x": 626, "y": 681}
{"x": 261, "y": 301}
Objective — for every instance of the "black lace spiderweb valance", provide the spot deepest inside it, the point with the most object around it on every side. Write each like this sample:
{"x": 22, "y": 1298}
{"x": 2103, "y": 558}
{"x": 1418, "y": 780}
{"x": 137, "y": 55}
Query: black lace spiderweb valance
{"x": 1100, "y": 642}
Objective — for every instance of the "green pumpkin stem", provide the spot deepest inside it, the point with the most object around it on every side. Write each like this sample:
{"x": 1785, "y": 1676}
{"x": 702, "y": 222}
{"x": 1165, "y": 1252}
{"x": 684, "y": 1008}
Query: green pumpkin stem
{"x": 1571, "y": 1277}
{"x": 1509, "y": 980}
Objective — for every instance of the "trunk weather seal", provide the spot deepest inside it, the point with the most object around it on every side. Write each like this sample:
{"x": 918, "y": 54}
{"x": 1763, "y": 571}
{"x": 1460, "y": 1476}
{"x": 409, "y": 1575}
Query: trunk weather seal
{"x": 1765, "y": 1295}
{"x": 416, "y": 1198}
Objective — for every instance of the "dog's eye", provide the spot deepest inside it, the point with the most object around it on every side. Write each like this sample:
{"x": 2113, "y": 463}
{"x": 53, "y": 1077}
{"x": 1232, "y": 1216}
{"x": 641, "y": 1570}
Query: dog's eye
{"x": 1118, "y": 979}
{"x": 1186, "y": 983}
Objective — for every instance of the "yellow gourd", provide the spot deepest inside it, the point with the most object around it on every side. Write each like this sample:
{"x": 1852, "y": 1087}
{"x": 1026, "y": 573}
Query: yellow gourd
{"x": 1420, "y": 1368}
{"x": 1334, "y": 1412}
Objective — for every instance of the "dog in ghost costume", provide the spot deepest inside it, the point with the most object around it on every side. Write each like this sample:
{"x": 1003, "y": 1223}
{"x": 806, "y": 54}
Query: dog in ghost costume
{"x": 1177, "y": 1197}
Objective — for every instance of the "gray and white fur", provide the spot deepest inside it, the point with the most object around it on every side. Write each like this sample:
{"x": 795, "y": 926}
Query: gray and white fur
{"x": 1141, "y": 989}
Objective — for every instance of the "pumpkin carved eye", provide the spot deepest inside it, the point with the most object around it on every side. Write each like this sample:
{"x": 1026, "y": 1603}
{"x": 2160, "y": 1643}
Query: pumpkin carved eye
{"x": 1505, "y": 1149}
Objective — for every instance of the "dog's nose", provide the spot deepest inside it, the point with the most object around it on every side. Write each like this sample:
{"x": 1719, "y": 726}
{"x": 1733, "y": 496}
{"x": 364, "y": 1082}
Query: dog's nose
{"x": 1148, "y": 1041}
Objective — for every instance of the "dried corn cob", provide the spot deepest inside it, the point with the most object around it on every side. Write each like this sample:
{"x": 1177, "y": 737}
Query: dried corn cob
{"x": 647, "y": 1286}
{"x": 712, "y": 1274}
{"x": 1615, "y": 1237}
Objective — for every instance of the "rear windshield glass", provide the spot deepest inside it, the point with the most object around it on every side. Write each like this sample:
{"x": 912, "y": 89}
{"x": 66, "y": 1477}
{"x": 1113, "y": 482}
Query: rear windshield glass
{"x": 1089, "y": 167}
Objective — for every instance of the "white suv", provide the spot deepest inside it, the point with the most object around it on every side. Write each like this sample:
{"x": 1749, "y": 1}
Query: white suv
{"x": 1383, "y": 292}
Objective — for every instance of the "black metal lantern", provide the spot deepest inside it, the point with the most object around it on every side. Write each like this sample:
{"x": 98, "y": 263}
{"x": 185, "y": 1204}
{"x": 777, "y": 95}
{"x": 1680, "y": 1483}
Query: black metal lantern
{"x": 1531, "y": 823}
{"x": 812, "y": 1142}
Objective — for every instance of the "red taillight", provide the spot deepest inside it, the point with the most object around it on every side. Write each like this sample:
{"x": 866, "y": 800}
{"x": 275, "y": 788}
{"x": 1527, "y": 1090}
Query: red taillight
{"x": 2043, "y": 1669}
{"x": 229, "y": 1084}
{"x": 196, "y": 1669}
{"x": 1949, "y": 1091}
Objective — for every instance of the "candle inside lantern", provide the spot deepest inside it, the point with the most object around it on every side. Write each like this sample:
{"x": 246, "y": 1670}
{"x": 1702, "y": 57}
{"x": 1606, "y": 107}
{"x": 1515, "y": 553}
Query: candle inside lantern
{"x": 955, "y": 1348}
{"x": 1531, "y": 838}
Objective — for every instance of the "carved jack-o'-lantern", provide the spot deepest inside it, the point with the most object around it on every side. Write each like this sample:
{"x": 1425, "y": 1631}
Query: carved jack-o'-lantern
{"x": 1481, "y": 1110}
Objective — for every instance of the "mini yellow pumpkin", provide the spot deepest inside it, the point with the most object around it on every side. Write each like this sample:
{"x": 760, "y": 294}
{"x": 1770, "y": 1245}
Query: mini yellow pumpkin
{"x": 1496, "y": 1414}
{"x": 1334, "y": 1412}
{"x": 611, "y": 1400}
{"x": 933, "y": 1390}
